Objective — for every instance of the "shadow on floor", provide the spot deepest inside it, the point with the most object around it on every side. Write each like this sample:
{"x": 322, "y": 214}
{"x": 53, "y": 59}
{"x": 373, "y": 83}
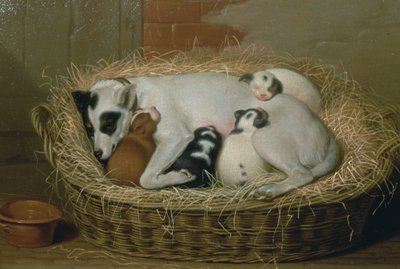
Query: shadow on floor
{"x": 65, "y": 232}
{"x": 385, "y": 222}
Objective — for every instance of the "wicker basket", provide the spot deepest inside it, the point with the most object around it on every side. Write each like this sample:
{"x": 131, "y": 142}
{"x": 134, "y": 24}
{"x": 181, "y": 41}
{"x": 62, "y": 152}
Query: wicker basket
{"x": 317, "y": 220}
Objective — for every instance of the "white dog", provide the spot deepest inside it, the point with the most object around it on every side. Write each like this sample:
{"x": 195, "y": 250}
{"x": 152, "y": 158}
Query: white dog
{"x": 185, "y": 102}
{"x": 296, "y": 141}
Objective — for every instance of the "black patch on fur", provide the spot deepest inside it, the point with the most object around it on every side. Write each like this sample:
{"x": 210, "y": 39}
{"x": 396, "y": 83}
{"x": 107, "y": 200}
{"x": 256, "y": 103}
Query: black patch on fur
{"x": 276, "y": 87}
{"x": 248, "y": 77}
{"x": 236, "y": 131}
{"x": 244, "y": 173}
{"x": 81, "y": 99}
{"x": 261, "y": 119}
{"x": 94, "y": 99}
{"x": 198, "y": 166}
{"x": 108, "y": 122}
{"x": 122, "y": 80}
{"x": 238, "y": 114}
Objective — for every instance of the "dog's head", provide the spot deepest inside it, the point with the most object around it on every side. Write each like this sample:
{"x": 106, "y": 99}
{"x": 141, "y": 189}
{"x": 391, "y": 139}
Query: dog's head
{"x": 110, "y": 104}
{"x": 263, "y": 84}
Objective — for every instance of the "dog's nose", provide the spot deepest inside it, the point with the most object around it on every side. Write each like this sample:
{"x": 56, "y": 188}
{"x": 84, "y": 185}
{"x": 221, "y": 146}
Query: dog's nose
{"x": 98, "y": 153}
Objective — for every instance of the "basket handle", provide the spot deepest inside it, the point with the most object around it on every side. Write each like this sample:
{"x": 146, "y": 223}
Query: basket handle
{"x": 392, "y": 112}
{"x": 43, "y": 120}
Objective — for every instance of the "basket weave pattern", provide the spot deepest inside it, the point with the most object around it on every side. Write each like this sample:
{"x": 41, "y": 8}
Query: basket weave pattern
{"x": 223, "y": 225}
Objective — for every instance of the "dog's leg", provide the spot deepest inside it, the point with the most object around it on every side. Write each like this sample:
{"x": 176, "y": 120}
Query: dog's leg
{"x": 279, "y": 152}
{"x": 296, "y": 179}
{"x": 168, "y": 150}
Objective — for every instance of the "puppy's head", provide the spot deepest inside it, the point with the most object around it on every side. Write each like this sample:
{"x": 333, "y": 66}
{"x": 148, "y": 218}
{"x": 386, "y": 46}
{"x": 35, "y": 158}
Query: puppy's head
{"x": 110, "y": 109}
{"x": 250, "y": 119}
{"x": 144, "y": 123}
{"x": 263, "y": 84}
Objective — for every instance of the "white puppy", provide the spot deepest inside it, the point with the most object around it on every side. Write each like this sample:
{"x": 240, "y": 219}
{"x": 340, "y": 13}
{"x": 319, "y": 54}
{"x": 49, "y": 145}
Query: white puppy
{"x": 238, "y": 161}
{"x": 295, "y": 142}
{"x": 265, "y": 83}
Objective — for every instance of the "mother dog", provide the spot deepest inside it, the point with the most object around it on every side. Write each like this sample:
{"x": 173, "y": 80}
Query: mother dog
{"x": 185, "y": 102}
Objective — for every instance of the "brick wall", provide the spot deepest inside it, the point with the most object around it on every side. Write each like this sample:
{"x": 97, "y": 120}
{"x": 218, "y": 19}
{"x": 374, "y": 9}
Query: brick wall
{"x": 177, "y": 24}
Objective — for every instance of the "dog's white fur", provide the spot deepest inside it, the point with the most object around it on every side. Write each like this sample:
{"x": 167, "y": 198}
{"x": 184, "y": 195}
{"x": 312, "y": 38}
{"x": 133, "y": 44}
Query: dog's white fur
{"x": 295, "y": 142}
{"x": 291, "y": 82}
{"x": 238, "y": 161}
{"x": 185, "y": 102}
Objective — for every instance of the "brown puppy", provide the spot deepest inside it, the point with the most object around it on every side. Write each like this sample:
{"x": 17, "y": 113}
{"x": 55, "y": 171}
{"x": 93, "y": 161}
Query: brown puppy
{"x": 134, "y": 151}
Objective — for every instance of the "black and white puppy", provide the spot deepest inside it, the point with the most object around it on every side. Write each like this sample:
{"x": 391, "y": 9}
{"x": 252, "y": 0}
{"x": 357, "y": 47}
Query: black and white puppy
{"x": 199, "y": 157}
{"x": 238, "y": 162}
{"x": 267, "y": 83}
{"x": 296, "y": 142}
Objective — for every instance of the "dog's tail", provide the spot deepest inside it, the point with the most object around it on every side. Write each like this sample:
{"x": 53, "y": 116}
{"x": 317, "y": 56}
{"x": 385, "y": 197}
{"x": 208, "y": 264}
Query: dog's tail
{"x": 330, "y": 162}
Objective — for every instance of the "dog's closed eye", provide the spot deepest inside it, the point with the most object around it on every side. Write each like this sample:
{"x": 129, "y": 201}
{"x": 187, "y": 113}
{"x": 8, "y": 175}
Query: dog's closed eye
{"x": 108, "y": 122}
{"x": 109, "y": 128}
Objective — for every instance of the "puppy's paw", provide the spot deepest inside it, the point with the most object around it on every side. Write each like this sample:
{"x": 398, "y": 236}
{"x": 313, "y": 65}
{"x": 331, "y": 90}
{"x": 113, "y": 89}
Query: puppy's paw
{"x": 267, "y": 192}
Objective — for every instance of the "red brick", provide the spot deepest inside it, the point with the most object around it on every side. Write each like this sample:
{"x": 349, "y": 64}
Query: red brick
{"x": 213, "y": 6}
{"x": 206, "y": 34}
{"x": 157, "y": 34}
{"x": 171, "y": 11}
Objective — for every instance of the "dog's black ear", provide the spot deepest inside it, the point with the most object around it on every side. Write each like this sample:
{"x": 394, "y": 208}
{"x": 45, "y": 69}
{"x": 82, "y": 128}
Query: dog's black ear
{"x": 126, "y": 96}
{"x": 239, "y": 113}
{"x": 81, "y": 99}
{"x": 276, "y": 87}
{"x": 248, "y": 77}
{"x": 262, "y": 119}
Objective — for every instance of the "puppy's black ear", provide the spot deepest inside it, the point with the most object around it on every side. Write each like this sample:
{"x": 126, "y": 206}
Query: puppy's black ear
{"x": 261, "y": 120}
{"x": 81, "y": 99}
{"x": 276, "y": 87}
{"x": 239, "y": 113}
{"x": 248, "y": 77}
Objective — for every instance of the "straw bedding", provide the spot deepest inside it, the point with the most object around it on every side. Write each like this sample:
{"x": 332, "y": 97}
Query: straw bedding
{"x": 221, "y": 223}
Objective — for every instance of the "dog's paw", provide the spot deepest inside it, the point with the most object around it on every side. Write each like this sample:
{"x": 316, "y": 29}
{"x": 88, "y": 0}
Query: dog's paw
{"x": 267, "y": 192}
{"x": 177, "y": 177}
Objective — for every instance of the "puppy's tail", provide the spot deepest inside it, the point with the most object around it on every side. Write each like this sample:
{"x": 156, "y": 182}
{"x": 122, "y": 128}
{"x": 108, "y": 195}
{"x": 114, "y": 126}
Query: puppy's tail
{"x": 330, "y": 162}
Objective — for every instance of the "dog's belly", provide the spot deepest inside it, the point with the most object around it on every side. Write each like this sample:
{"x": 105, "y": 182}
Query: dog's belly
{"x": 199, "y": 99}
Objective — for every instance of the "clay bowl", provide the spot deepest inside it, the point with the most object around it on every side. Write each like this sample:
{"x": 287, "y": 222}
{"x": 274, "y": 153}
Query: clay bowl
{"x": 29, "y": 223}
